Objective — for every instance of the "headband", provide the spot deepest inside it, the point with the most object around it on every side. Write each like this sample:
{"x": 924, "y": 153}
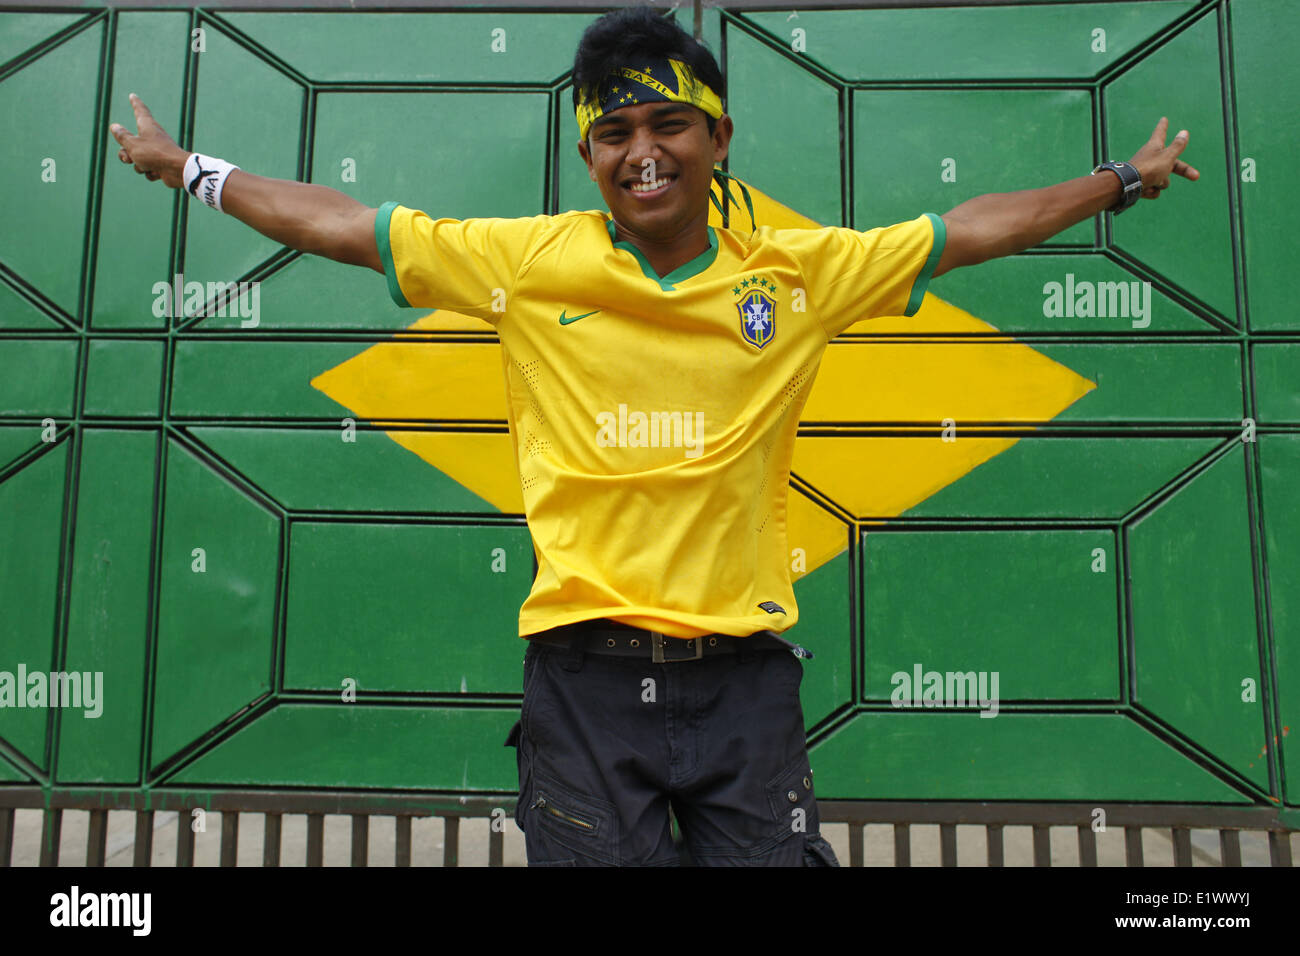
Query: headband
{"x": 654, "y": 81}
{"x": 628, "y": 86}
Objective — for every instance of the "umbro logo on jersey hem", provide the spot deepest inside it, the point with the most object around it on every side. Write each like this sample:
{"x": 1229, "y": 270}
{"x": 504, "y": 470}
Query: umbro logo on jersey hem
{"x": 574, "y": 318}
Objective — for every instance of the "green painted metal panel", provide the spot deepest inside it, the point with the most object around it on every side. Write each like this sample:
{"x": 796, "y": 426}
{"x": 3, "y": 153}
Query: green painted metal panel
{"x": 484, "y": 169}
{"x": 255, "y": 379}
{"x": 124, "y": 377}
{"x": 1058, "y": 478}
{"x": 1062, "y": 293}
{"x": 366, "y": 745}
{"x": 18, "y": 313}
{"x": 135, "y": 219}
{"x": 312, "y": 292}
{"x": 11, "y": 774}
{"x": 48, "y": 170}
{"x": 407, "y": 608}
{"x": 1001, "y": 42}
{"x": 315, "y": 470}
{"x": 1277, "y": 382}
{"x": 1265, "y": 36}
{"x": 949, "y": 756}
{"x": 1034, "y": 608}
{"x": 21, "y": 32}
{"x": 826, "y": 629}
{"x": 216, "y": 626}
{"x": 16, "y": 440}
{"x": 787, "y": 129}
{"x": 1147, "y": 382}
{"x": 1280, "y": 468}
{"x": 992, "y": 140}
{"x": 37, "y": 376}
{"x": 232, "y": 81}
{"x": 1184, "y": 236}
{"x": 496, "y": 47}
{"x": 108, "y": 618}
{"x": 1194, "y": 603}
{"x": 31, "y": 526}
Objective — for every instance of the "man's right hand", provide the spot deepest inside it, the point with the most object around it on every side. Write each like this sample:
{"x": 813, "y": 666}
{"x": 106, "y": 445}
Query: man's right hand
{"x": 152, "y": 151}
{"x": 312, "y": 218}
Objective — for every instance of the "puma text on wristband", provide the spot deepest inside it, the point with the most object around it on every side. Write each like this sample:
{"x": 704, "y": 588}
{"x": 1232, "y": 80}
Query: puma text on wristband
{"x": 205, "y": 177}
{"x": 1130, "y": 181}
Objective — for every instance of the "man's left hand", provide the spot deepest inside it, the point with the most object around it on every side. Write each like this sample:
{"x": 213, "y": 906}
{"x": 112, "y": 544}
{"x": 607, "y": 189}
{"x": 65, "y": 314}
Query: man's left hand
{"x": 1156, "y": 162}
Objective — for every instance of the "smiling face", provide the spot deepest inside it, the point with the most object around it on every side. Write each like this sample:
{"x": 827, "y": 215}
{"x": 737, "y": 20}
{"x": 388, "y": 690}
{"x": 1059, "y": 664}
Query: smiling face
{"x": 675, "y": 137}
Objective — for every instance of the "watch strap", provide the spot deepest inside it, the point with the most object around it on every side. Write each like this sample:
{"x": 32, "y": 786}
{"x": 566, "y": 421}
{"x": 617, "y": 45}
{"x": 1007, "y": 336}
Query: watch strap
{"x": 1130, "y": 183}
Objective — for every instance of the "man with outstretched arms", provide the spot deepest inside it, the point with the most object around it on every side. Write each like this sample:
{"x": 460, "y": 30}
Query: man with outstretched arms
{"x": 656, "y": 366}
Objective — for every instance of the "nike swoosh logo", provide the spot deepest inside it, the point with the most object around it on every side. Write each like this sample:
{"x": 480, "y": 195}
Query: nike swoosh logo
{"x": 574, "y": 318}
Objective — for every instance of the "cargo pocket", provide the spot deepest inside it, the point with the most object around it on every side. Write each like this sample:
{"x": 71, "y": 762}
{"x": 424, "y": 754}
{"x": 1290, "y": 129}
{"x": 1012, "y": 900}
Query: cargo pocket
{"x": 520, "y": 736}
{"x": 584, "y": 826}
{"x": 817, "y": 852}
{"x": 522, "y": 762}
{"x": 793, "y": 805}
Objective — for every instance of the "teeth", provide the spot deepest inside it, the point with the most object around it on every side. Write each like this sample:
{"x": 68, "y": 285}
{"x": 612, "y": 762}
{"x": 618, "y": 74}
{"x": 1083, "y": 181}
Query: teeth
{"x": 649, "y": 187}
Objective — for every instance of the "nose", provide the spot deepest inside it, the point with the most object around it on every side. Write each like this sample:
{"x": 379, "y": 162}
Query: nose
{"x": 642, "y": 145}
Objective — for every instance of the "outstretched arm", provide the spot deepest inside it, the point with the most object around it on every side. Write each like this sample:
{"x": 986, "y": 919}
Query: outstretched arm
{"x": 1002, "y": 224}
{"x": 305, "y": 216}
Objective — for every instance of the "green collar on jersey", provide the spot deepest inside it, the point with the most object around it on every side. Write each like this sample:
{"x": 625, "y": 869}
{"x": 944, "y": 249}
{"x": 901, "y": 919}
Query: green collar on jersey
{"x": 685, "y": 271}
{"x": 705, "y": 258}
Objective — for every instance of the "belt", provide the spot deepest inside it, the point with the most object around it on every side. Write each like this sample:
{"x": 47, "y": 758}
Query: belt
{"x": 614, "y": 638}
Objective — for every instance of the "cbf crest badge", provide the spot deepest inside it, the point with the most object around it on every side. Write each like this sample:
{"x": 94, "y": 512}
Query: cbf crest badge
{"x": 757, "y": 310}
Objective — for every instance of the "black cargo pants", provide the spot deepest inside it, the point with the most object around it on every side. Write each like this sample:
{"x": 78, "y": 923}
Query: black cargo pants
{"x": 605, "y": 744}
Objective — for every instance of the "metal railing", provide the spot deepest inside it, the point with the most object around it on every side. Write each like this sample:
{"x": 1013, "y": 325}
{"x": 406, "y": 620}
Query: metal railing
{"x": 1176, "y": 820}
{"x": 1134, "y": 818}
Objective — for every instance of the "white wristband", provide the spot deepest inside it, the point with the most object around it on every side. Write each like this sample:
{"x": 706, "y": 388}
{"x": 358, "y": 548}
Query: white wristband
{"x": 204, "y": 178}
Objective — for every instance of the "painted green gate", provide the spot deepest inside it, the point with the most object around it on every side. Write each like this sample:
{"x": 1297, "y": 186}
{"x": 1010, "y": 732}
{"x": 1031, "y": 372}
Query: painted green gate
{"x": 1076, "y": 470}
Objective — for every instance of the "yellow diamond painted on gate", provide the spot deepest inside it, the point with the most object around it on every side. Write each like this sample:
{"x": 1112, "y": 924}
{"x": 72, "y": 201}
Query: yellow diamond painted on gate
{"x": 867, "y": 379}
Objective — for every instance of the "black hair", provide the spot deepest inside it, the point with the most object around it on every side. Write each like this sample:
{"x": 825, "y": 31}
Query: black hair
{"x": 630, "y": 33}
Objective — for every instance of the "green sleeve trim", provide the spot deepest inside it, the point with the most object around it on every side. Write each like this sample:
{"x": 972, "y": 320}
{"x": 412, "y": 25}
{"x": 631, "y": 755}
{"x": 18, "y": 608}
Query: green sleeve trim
{"x": 927, "y": 270}
{"x": 386, "y": 252}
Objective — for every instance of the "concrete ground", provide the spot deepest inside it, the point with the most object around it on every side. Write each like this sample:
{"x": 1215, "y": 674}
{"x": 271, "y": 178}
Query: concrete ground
{"x": 427, "y": 842}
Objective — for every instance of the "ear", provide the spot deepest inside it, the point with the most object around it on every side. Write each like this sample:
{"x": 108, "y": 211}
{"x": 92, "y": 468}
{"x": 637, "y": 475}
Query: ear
{"x": 722, "y": 132}
{"x": 585, "y": 153}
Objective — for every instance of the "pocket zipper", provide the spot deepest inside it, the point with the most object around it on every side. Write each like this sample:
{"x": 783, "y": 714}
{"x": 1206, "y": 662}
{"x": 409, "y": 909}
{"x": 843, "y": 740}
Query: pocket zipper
{"x": 541, "y": 804}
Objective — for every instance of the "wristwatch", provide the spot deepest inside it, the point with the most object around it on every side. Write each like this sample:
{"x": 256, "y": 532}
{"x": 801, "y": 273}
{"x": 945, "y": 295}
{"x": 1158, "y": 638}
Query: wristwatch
{"x": 1131, "y": 181}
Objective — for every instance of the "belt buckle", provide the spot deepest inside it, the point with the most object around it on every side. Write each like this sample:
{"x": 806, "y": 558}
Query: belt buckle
{"x": 657, "y": 650}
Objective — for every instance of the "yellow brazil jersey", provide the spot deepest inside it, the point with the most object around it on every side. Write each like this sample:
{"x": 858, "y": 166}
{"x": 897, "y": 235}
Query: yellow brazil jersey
{"x": 653, "y": 418}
